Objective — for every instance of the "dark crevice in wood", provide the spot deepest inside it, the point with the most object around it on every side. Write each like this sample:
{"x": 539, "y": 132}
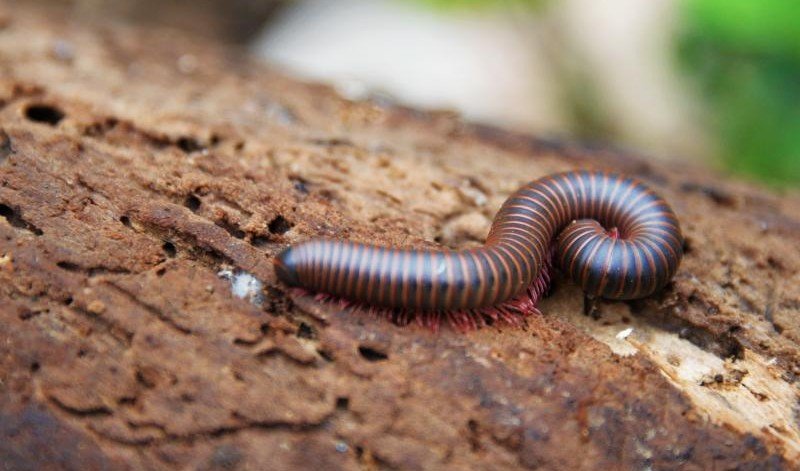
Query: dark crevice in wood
{"x": 14, "y": 217}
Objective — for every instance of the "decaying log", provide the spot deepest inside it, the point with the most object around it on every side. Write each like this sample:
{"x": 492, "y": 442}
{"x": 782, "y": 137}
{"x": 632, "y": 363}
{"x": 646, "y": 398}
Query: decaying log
{"x": 148, "y": 178}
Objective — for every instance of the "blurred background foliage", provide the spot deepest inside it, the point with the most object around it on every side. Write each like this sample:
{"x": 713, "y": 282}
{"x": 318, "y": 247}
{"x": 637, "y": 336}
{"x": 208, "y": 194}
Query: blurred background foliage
{"x": 744, "y": 58}
{"x": 711, "y": 80}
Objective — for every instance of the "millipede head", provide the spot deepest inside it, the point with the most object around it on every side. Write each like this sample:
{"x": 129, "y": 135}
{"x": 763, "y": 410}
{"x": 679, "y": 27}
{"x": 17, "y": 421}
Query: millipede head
{"x": 286, "y": 267}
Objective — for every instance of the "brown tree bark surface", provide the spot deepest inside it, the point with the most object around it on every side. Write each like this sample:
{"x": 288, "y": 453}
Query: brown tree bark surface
{"x": 147, "y": 179}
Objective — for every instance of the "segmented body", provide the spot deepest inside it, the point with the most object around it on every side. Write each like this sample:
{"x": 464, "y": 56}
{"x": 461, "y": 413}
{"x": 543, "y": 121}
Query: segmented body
{"x": 614, "y": 237}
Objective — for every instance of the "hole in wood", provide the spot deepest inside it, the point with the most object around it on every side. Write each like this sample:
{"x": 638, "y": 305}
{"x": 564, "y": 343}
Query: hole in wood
{"x": 169, "y": 249}
{"x": 46, "y": 114}
{"x": 370, "y": 354}
{"x": 193, "y": 203}
{"x": 279, "y": 225}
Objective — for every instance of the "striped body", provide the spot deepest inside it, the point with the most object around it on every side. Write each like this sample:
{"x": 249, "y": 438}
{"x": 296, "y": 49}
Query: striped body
{"x": 636, "y": 256}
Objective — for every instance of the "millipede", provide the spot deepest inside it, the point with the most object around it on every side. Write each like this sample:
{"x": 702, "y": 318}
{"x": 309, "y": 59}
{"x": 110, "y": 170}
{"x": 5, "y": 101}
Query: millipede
{"x": 610, "y": 234}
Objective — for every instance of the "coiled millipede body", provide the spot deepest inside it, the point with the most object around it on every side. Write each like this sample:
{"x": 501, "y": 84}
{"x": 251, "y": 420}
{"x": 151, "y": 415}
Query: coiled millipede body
{"x": 613, "y": 236}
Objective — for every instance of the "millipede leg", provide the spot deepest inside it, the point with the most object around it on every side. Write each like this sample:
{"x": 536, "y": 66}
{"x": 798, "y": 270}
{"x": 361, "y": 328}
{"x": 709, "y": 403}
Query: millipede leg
{"x": 590, "y": 306}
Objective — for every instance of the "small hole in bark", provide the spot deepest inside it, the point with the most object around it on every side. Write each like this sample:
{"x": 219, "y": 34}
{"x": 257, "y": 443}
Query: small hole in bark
{"x": 325, "y": 354}
{"x": 231, "y": 228}
{"x": 125, "y": 220}
{"x": 35, "y": 366}
{"x": 734, "y": 350}
{"x": 279, "y": 225}
{"x": 169, "y": 249}
{"x": 193, "y": 203}
{"x": 127, "y": 401}
{"x": 342, "y": 403}
{"x": 47, "y": 114}
{"x": 160, "y": 272}
{"x": 69, "y": 266}
{"x": 7, "y": 212}
{"x": 304, "y": 331}
{"x": 186, "y": 397}
{"x": 370, "y": 354}
{"x": 259, "y": 241}
{"x": 68, "y": 301}
{"x": 474, "y": 439}
{"x": 189, "y": 145}
{"x": 81, "y": 353}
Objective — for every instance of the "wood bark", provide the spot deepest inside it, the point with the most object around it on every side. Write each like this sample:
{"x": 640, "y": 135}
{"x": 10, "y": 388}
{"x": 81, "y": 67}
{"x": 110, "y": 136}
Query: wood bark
{"x": 147, "y": 179}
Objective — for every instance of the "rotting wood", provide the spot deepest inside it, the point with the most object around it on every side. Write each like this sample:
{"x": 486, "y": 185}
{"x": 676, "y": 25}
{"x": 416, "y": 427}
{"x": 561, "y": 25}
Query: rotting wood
{"x": 135, "y": 193}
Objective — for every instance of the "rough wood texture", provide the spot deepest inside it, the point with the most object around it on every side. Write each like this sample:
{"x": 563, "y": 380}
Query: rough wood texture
{"x": 144, "y": 174}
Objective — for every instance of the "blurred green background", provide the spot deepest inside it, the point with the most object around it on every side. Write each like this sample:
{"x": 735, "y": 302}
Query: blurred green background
{"x": 742, "y": 61}
{"x": 743, "y": 56}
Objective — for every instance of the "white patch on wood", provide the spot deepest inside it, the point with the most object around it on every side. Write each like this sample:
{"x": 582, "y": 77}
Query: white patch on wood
{"x": 747, "y": 395}
{"x": 244, "y": 285}
{"x": 624, "y": 333}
